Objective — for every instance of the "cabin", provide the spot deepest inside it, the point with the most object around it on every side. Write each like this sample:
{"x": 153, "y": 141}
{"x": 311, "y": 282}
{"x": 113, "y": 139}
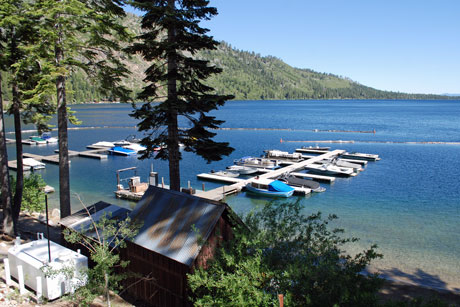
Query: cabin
{"x": 179, "y": 232}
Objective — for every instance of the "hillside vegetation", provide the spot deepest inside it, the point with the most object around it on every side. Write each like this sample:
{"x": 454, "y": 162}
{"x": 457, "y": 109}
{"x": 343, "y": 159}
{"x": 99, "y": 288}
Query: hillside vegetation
{"x": 246, "y": 75}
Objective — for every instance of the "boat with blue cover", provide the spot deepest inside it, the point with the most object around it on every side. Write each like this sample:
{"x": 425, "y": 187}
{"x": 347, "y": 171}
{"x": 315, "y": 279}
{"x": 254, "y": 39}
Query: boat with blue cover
{"x": 270, "y": 187}
{"x": 117, "y": 150}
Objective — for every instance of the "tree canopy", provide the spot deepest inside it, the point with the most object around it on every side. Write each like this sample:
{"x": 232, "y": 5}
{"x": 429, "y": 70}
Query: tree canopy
{"x": 176, "y": 82}
{"x": 285, "y": 252}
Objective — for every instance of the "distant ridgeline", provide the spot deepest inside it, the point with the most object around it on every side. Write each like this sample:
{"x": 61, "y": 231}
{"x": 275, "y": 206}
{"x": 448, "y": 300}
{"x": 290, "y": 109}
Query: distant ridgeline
{"x": 246, "y": 75}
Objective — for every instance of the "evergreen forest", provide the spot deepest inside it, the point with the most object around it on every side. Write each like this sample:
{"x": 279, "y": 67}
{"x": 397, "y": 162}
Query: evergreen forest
{"x": 246, "y": 75}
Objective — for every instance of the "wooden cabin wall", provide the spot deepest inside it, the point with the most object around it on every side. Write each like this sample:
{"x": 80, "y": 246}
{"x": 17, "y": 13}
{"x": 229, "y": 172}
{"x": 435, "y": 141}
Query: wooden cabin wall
{"x": 162, "y": 281}
{"x": 221, "y": 232}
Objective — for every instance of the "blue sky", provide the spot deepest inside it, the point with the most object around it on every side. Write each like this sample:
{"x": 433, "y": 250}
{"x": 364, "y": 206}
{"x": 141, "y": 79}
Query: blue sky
{"x": 405, "y": 45}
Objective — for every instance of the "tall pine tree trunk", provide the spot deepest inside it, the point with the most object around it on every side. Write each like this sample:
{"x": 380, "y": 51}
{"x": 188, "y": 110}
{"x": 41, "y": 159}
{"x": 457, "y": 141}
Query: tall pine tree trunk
{"x": 173, "y": 134}
{"x": 20, "y": 172}
{"x": 6, "y": 201}
{"x": 64, "y": 172}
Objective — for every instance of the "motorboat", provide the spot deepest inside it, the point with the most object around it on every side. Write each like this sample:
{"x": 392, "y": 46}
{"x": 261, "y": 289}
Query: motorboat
{"x": 33, "y": 164}
{"x": 225, "y": 173}
{"x": 296, "y": 156}
{"x": 257, "y": 162}
{"x": 360, "y": 156}
{"x": 316, "y": 148}
{"x": 122, "y": 151}
{"x": 270, "y": 187}
{"x": 48, "y": 138}
{"x": 38, "y": 140}
{"x": 295, "y": 181}
{"x": 121, "y": 143}
{"x": 243, "y": 170}
{"x": 134, "y": 146}
{"x": 330, "y": 169}
{"x": 342, "y": 163}
{"x": 104, "y": 144}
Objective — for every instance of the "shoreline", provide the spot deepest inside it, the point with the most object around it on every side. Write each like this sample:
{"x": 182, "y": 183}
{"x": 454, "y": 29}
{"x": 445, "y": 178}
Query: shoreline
{"x": 393, "y": 289}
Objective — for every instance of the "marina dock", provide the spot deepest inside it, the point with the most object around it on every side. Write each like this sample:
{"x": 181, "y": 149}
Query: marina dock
{"x": 87, "y": 153}
{"x": 14, "y": 166}
{"x": 51, "y": 159}
{"x": 220, "y": 192}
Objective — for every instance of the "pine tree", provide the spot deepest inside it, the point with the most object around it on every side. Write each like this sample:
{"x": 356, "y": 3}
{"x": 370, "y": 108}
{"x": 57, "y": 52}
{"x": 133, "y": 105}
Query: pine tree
{"x": 16, "y": 33}
{"x": 172, "y": 36}
{"x": 85, "y": 35}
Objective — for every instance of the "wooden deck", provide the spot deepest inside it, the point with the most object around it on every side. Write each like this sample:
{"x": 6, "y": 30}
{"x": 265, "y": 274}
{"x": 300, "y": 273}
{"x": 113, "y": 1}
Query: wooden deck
{"x": 14, "y": 166}
{"x": 51, "y": 159}
{"x": 220, "y": 192}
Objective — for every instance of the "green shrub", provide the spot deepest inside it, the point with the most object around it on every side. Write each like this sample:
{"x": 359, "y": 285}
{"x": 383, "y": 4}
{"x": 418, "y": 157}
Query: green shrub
{"x": 33, "y": 197}
{"x": 285, "y": 252}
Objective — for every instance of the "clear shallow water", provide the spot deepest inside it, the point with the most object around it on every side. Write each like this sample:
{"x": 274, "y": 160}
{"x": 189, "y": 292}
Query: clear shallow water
{"x": 408, "y": 203}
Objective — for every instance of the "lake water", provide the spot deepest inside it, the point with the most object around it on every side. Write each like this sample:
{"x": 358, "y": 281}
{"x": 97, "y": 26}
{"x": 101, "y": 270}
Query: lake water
{"x": 408, "y": 203}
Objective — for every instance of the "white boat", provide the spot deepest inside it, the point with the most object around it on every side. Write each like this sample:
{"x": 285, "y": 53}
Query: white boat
{"x": 225, "y": 174}
{"x": 270, "y": 187}
{"x": 52, "y": 140}
{"x": 283, "y": 154}
{"x": 330, "y": 169}
{"x": 136, "y": 147}
{"x": 121, "y": 143}
{"x": 38, "y": 140}
{"x": 48, "y": 138}
{"x": 33, "y": 164}
{"x": 341, "y": 163}
{"x": 104, "y": 144}
{"x": 243, "y": 170}
{"x": 360, "y": 156}
{"x": 257, "y": 162}
{"x": 316, "y": 148}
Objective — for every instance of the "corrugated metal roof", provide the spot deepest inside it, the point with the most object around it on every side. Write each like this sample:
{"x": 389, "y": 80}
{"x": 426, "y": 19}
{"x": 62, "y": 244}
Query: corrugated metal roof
{"x": 175, "y": 224}
{"x": 80, "y": 220}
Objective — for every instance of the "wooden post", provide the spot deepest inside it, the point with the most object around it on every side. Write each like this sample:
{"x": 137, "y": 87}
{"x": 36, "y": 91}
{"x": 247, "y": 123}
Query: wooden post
{"x": 162, "y": 182}
{"x": 203, "y": 187}
{"x": 22, "y": 289}
{"x": 281, "y": 300}
{"x": 7, "y": 271}
{"x": 39, "y": 289}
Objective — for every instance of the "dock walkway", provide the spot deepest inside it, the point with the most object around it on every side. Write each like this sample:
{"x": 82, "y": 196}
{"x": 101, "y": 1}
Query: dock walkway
{"x": 220, "y": 192}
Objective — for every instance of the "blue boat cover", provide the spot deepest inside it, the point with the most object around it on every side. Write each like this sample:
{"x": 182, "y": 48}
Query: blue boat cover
{"x": 279, "y": 186}
{"x": 121, "y": 149}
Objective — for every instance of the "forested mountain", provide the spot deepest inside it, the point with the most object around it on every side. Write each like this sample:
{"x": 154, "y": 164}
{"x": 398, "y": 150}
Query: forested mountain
{"x": 246, "y": 75}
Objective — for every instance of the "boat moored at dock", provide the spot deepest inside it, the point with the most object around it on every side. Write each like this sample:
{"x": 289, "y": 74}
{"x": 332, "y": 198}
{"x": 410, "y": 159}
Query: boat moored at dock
{"x": 295, "y": 181}
{"x": 117, "y": 150}
{"x": 243, "y": 170}
{"x": 324, "y": 148}
{"x": 360, "y": 156}
{"x": 225, "y": 173}
{"x": 38, "y": 140}
{"x": 33, "y": 164}
{"x": 330, "y": 169}
{"x": 270, "y": 187}
{"x": 278, "y": 154}
{"x": 342, "y": 163}
{"x": 257, "y": 162}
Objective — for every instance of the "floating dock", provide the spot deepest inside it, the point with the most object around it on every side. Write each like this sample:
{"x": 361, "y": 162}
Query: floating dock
{"x": 362, "y": 162}
{"x": 14, "y": 166}
{"x": 309, "y": 150}
{"x": 220, "y": 192}
{"x": 95, "y": 154}
{"x": 51, "y": 159}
